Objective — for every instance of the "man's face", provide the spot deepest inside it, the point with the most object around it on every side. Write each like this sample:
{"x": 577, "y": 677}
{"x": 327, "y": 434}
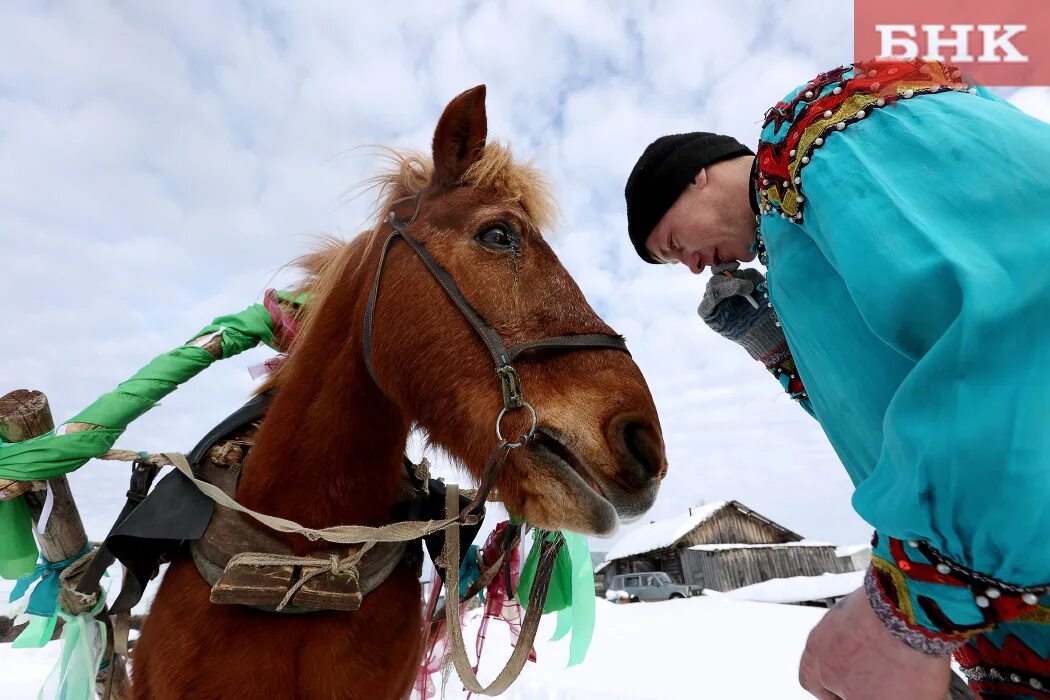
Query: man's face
{"x": 705, "y": 225}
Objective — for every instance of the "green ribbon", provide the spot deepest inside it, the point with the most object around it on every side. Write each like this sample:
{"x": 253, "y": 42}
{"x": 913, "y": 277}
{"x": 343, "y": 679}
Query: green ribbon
{"x": 51, "y": 455}
{"x": 43, "y": 601}
{"x": 571, "y": 592}
{"x": 579, "y": 616}
{"x": 18, "y": 551}
{"x": 83, "y": 646}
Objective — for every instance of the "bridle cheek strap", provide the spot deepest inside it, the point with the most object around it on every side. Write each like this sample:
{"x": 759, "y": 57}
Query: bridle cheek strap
{"x": 502, "y": 356}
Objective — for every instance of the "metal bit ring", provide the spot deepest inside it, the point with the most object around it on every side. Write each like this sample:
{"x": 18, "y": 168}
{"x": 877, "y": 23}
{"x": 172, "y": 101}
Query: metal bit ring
{"x": 525, "y": 437}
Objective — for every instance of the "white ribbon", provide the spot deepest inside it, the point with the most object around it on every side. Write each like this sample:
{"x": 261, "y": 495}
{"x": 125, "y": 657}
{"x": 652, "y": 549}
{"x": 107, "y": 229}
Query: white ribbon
{"x": 45, "y": 513}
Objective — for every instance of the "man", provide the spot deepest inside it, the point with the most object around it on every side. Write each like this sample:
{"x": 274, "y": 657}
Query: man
{"x": 902, "y": 217}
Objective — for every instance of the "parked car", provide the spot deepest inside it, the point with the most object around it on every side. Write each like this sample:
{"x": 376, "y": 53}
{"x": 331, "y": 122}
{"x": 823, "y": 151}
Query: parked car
{"x": 650, "y": 586}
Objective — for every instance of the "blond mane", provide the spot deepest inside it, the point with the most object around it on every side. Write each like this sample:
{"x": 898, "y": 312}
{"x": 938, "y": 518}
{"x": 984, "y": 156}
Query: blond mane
{"x": 408, "y": 172}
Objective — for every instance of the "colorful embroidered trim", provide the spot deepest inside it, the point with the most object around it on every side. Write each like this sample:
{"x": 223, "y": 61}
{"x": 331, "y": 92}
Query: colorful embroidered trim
{"x": 782, "y": 366}
{"x": 1011, "y": 670}
{"x": 828, "y": 103}
{"x": 888, "y": 610}
{"x": 916, "y": 591}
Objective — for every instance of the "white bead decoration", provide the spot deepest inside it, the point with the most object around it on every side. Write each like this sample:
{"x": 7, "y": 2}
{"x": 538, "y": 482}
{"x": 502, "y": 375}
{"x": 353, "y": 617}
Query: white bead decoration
{"x": 818, "y": 142}
{"x": 972, "y": 91}
{"x": 861, "y": 114}
{"x": 881, "y": 102}
{"x": 792, "y": 152}
{"x": 981, "y": 601}
{"x": 944, "y": 569}
{"x": 809, "y": 94}
{"x": 1015, "y": 678}
{"x": 827, "y": 114}
{"x": 1030, "y": 598}
{"x": 908, "y": 93}
{"x": 876, "y": 85}
{"x": 798, "y": 180}
{"x": 993, "y": 593}
{"x": 837, "y": 90}
{"x": 787, "y": 184}
{"x": 935, "y": 88}
{"x": 805, "y": 159}
{"x": 840, "y": 126}
{"x": 913, "y": 543}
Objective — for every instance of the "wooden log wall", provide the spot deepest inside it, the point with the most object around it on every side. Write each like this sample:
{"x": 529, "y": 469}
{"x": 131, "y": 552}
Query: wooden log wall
{"x": 724, "y": 570}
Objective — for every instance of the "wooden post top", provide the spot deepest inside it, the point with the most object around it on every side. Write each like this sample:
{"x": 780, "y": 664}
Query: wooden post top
{"x": 24, "y": 414}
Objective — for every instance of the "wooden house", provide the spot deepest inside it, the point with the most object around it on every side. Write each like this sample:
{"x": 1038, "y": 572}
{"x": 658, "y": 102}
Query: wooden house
{"x": 719, "y": 546}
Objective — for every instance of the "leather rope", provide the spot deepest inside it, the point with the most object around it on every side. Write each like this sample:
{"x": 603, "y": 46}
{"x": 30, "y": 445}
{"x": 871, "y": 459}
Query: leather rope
{"x": 510, "y": 385}
{"x": 529, "y": 626}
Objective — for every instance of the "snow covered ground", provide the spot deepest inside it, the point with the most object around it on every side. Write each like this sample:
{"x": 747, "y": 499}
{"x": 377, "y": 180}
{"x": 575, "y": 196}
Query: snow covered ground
{"x": 800, "y": 588}
{"x": 706, "y": 647}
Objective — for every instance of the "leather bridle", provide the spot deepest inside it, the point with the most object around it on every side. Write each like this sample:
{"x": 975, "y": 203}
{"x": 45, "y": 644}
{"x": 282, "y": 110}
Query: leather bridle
{"x": 503, "y": 357}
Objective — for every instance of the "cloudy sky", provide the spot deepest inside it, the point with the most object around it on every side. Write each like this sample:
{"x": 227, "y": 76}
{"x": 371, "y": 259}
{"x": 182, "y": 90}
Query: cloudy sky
{"x": 159, "y": 162}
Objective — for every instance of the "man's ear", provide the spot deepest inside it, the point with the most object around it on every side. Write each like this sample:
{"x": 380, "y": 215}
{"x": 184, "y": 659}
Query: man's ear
{"x": 701, "y": 178}
{"x": 459, "y": 139}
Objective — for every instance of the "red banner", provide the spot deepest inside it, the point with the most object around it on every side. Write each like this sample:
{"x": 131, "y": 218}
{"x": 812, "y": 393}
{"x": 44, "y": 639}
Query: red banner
{"x": 1001, "y": 43}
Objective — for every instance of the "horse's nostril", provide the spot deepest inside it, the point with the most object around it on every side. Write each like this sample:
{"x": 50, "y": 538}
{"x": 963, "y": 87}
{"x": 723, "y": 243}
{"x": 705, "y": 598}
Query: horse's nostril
{"x": 642, "y": 445}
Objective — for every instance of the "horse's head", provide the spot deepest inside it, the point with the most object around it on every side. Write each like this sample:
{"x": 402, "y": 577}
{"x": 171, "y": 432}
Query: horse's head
{"x": 598, "y": 450}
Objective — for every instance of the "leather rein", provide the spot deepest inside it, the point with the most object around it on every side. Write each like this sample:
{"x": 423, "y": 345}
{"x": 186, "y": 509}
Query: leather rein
{"x": 503, "y": 357}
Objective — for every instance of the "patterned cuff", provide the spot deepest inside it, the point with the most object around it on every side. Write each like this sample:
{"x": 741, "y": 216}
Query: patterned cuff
{"x": 935, "y": 605}
{"x": 781, "y": 365}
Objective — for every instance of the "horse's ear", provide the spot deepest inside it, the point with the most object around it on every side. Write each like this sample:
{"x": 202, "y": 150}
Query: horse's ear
{"x": 459, "y": 139}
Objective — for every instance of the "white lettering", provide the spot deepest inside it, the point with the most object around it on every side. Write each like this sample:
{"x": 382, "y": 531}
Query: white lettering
{"x": 936, "y": 42}
{"x": 890, "y": 42}
{"x": 992, "y": 43}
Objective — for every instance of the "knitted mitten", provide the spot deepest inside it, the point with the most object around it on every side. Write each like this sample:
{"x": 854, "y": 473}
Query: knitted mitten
{"x": 728, "y": 310}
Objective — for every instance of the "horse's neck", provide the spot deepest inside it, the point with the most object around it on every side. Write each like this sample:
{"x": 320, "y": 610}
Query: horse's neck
{"x": 330, "y": 449}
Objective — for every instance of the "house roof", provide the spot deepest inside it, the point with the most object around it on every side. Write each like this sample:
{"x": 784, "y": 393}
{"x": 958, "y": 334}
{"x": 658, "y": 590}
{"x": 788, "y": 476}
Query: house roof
{"x": 723, "y": 547}
{"x": 848, "y": 550}
{"x": 662, "y": 533}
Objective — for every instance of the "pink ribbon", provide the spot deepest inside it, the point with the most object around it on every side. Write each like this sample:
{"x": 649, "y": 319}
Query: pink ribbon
{"x": 499, "y": 605}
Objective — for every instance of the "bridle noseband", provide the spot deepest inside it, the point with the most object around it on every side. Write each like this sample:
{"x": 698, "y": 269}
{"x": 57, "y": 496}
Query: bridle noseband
{"x": 503, "y": 357}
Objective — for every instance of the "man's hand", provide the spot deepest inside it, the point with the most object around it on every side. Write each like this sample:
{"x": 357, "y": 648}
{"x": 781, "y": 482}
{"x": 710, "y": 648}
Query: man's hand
{"x": 734, "y": 308}
{"x": 851, "y": 655}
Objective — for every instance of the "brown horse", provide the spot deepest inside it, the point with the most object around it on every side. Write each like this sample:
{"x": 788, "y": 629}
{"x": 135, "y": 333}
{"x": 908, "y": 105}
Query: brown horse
{"x": 330, "y": 448}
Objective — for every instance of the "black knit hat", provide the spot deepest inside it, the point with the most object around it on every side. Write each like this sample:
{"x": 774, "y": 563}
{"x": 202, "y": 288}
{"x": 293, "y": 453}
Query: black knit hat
{"x": 666, "y": 167}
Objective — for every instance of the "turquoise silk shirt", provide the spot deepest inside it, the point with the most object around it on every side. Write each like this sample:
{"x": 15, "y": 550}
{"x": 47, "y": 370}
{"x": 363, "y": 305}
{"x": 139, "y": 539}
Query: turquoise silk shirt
{"x": 905, "y": 222}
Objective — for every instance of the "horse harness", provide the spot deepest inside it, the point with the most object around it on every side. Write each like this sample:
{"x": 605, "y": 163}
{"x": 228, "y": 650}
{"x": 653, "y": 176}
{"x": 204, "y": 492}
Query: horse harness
{"x": 237, "y": 558}
{"x": 503, "y": 357}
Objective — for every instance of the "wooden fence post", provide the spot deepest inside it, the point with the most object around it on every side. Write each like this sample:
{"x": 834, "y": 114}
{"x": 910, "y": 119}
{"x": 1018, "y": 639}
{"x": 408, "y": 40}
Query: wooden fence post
{"x": 26, "y": 414}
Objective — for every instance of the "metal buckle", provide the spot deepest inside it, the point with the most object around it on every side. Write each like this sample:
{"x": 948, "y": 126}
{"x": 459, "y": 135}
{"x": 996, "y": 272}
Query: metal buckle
{"x": 510, "y": 386}
{"x": 525, "y": 437}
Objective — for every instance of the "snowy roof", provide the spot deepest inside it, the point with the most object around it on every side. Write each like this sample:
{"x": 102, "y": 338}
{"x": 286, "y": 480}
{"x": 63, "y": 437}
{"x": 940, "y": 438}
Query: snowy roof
{"x": 721, "y": 547}
{"x": 662, "y": 533}
{"x": 799, "y": 589}
{"x": 848, "y": 550}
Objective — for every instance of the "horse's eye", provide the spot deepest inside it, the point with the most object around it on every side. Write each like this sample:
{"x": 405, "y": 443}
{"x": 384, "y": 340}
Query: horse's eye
{"x": 496, "y": 238}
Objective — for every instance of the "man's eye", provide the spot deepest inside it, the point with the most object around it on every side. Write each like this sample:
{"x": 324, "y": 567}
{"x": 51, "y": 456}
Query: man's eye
{"x": 496, "y": 238}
